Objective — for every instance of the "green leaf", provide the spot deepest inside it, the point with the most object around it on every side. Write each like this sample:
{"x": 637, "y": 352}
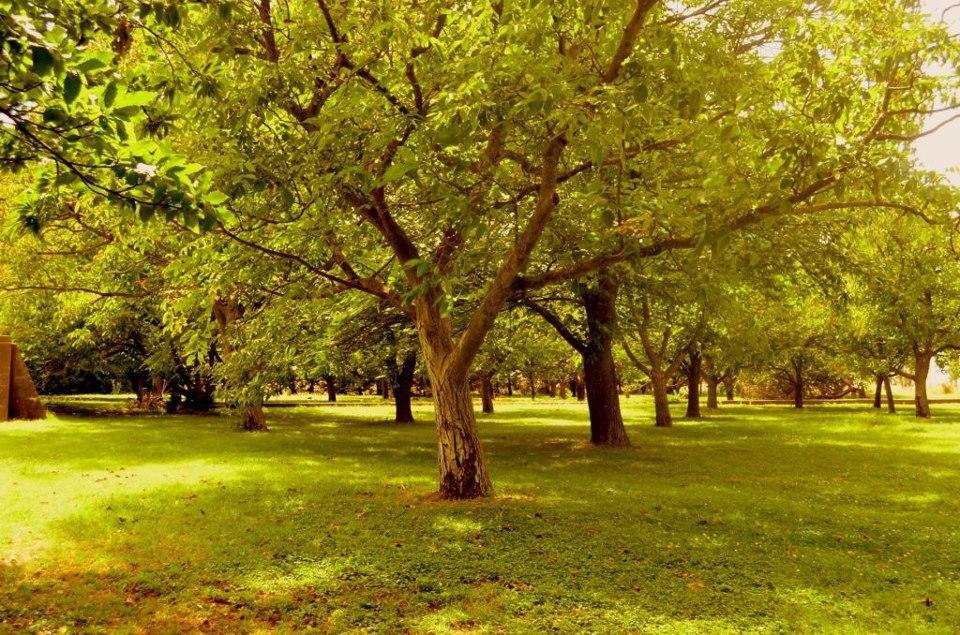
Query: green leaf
{"x": 146, "y": 212}
{"x": 41, "y": 59}
{"x": 126, "y": 112}
{"x": 94, "y": 62}
{"x": 71, "y": 87}
{"x": 406, "y": 162}
{"x": 138, "y": 98}
{"x": 172, "y": 16}
{"x": 110, "y": 94}
{"x": 216, "y": 198}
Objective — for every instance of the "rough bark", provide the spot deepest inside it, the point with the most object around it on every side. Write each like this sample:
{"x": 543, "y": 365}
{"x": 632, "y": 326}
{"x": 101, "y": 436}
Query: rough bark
{"x": 661, "y": 401}
{"x": 463, "y": 471}
{"x": 921, "y": 370}
{"x": 694, "y": 366}
{"x": 331, "y": 384}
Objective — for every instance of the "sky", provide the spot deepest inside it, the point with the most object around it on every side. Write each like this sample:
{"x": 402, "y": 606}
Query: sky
{"x": 941, "y": 150}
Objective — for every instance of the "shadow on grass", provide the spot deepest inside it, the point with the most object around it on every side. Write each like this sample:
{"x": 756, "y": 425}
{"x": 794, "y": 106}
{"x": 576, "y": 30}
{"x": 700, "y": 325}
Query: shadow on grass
{"x": 786, "y": 520}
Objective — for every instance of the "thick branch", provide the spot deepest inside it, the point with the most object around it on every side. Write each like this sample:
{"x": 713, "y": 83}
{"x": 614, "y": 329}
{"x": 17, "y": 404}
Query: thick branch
{"x": 502, "y": 285}
{"x": 554, "y": 320}
{"x": 630, "y": 32}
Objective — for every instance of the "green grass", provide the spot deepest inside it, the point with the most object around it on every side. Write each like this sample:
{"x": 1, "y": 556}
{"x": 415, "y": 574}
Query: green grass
{"x": 757, "y": 519}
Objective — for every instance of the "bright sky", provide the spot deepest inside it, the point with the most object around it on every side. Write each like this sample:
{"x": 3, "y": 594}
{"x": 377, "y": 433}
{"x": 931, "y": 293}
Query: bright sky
{"x": 941, "y": 150}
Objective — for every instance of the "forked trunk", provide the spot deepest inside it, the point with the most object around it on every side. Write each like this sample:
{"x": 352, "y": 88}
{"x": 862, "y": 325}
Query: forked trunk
{"x": 693, "y": 385}
{"x": 712, "y": 385}
{"x": 252, "y": 419}
{"x": 486, "y": 392}
{"x": 921, "y": 371}
{"x": 661, "y": 401}
{"x": 878, "y": 393}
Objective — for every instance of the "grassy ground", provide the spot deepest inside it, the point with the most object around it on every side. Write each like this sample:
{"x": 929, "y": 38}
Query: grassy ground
{"x": 756, "y": 519}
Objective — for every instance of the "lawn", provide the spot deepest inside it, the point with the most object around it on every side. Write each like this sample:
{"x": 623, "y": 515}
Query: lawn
{"x": 755, "y": 519}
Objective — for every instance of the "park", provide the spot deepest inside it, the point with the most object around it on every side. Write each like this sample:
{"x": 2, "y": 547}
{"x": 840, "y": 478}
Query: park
{"x": 504, "y": 316}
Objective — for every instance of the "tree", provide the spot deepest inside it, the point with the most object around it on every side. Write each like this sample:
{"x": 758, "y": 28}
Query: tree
{"x": 420, "y": 154}
{"x": 663, "y": 319}
{"x": 908, "y": 275}
{"x": 593, "y": 340}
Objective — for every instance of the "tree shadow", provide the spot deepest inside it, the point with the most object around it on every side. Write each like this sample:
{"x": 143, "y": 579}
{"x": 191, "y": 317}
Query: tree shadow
{"x": 724, "y": 525}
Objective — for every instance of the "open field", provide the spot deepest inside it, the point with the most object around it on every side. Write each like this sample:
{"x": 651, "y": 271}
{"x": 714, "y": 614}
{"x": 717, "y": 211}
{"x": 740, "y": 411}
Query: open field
{"x": 757, "y": 518}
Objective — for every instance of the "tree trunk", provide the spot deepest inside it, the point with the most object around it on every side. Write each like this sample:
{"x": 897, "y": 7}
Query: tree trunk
{"x": 891, "y": 406}
{"x": 331, "y": 383}
{"x": 486, "y": 392}
{"x": 509, "y": 385}
{"x": 463, "y": 471}
{"x": 252, "y": 419}
{"x": 878, "y": 393}
{"x": 661, "y": 402}
{"x": 603, "y": 401}
{"x": 798, "y": 394}
{"x": 712, "y": 385}
{"x": 921, "y": 371}
{"x": 693, "y": 384}
{"x": 728, "y": 385}
{"x": 533, "y": 387}
{"x": 599, "y": 369}
{"x": 581, "y": 389}
{"x": 403, "y": 387}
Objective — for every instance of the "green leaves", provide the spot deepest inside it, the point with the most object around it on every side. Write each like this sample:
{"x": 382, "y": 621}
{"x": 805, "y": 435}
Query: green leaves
{"x": 42, "y": 60}
{"x": 72, "y": 84}
{"x": 404, "y": 164}
{"x": 110, "y": 94}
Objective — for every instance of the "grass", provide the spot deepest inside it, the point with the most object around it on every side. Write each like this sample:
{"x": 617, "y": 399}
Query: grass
{"x": 755, "y": 519}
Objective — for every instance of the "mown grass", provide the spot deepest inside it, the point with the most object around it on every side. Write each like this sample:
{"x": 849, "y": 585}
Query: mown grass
{"x": 755, "y": 519}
